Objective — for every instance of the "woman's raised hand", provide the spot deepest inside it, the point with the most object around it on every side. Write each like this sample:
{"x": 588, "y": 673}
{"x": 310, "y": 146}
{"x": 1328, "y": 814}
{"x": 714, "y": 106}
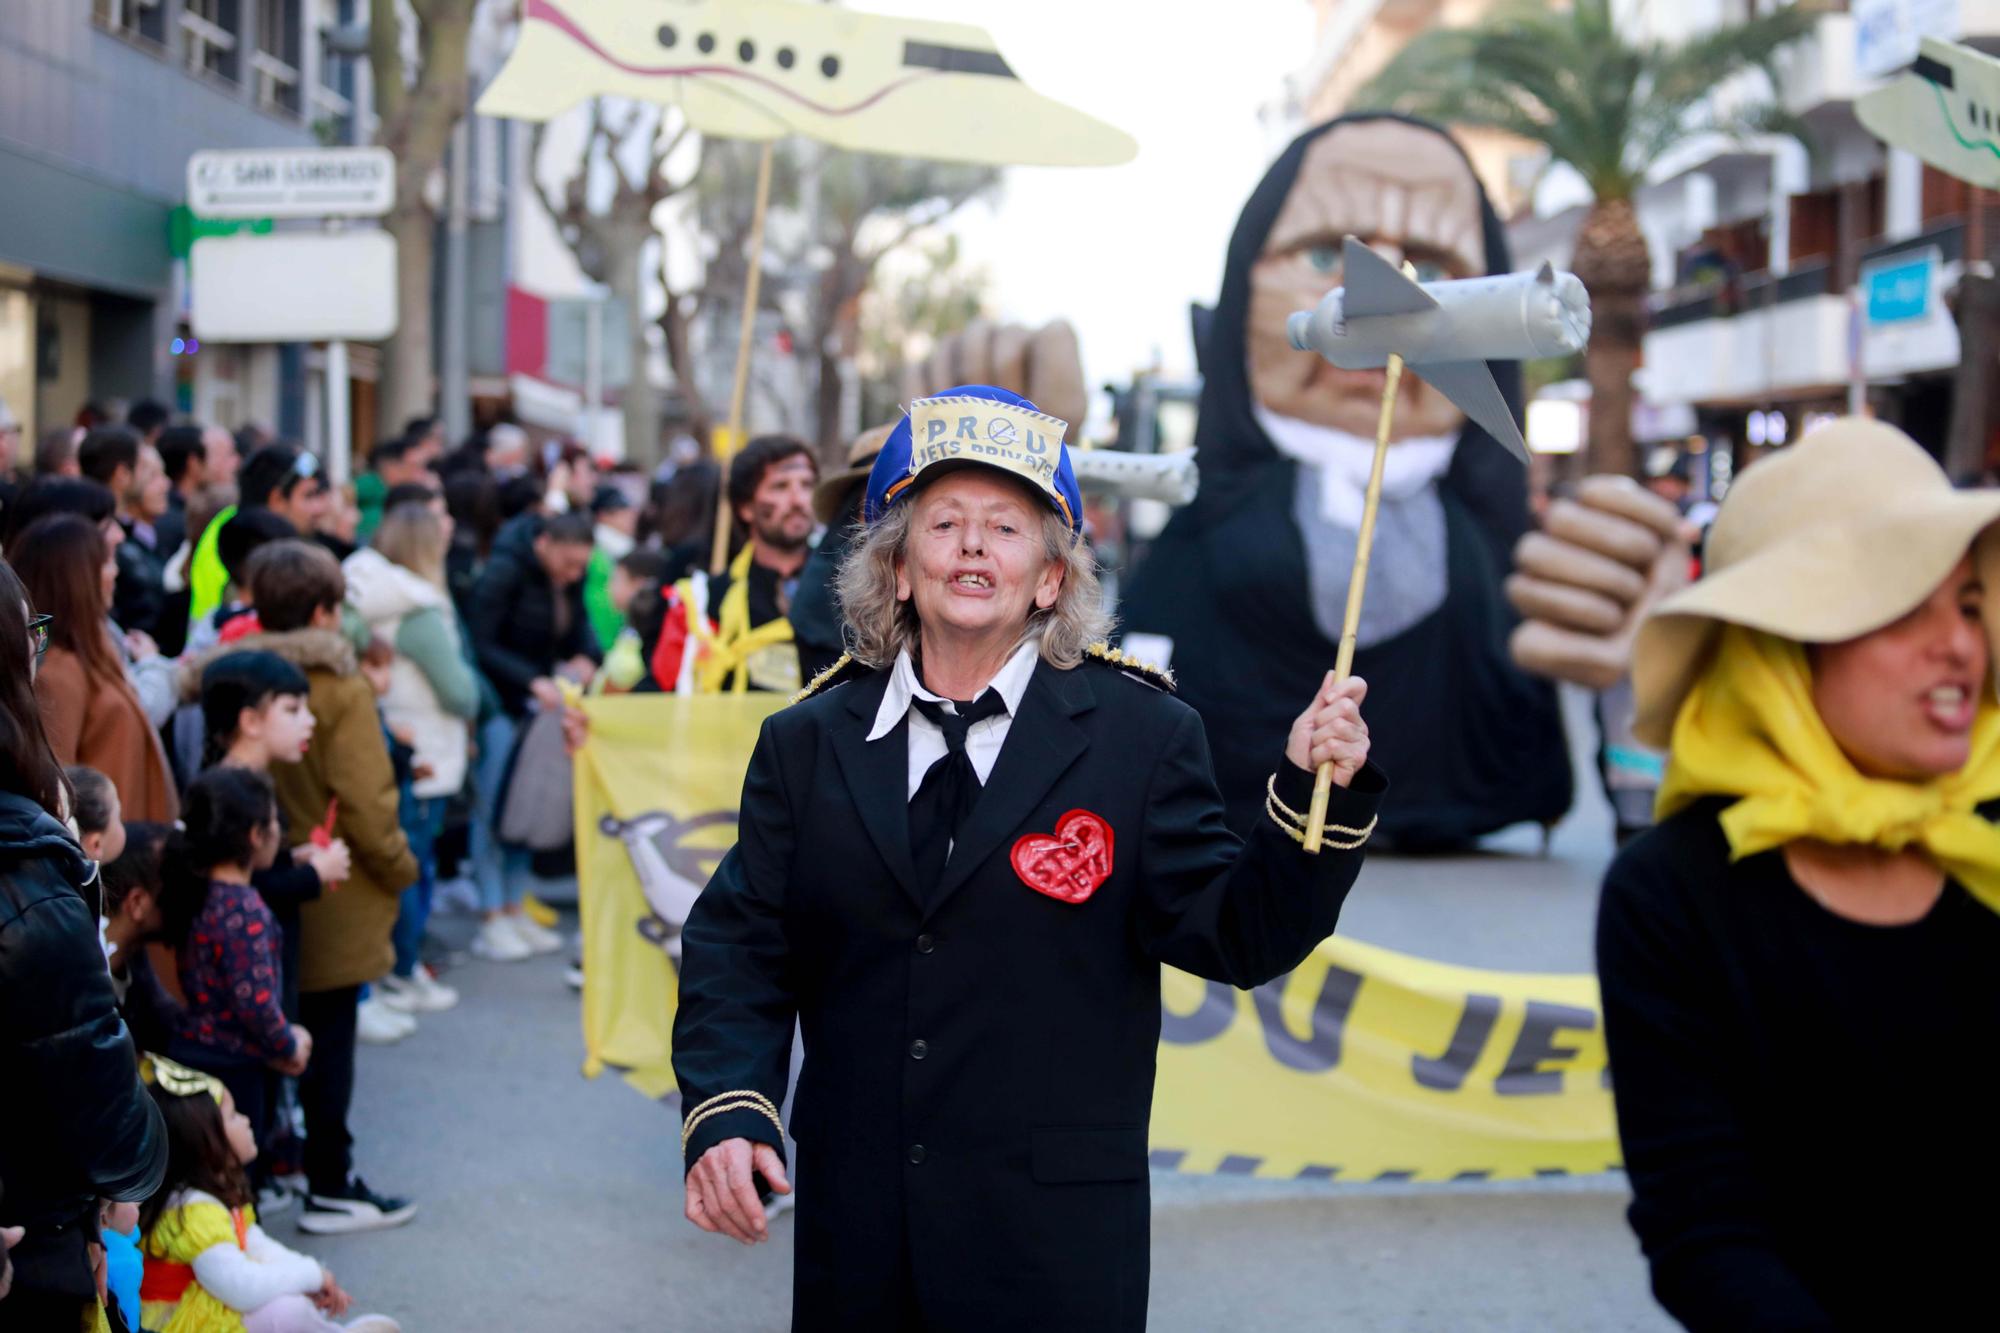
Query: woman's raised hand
{"x": 1331, "y": 730}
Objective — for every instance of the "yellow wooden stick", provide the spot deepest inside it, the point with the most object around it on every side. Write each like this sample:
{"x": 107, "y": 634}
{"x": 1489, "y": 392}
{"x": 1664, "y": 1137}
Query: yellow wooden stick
{"x": 1357, "y": 584}
{"x": 719, "y": 556}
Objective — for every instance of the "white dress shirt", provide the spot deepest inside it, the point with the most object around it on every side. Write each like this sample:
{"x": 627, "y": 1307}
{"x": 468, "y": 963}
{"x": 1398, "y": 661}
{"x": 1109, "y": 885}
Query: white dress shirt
{"x": 982, "y": 740}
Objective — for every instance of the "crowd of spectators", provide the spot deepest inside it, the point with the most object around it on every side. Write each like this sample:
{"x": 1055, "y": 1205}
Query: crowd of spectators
{"x": 255, "y": 727}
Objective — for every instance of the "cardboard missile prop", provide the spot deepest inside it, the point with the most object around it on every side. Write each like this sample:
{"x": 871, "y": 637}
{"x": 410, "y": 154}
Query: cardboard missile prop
{"x": 1446, "y": 332}
{"x": 1945, "y": 109}
{"x": 1171, "y": 479}
{"x": 762, "y": 69}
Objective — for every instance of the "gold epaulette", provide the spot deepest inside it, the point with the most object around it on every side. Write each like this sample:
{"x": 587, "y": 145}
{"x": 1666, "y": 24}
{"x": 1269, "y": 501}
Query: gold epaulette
{"x": 830, "y": 676}
{"x": 1158, "y": 677}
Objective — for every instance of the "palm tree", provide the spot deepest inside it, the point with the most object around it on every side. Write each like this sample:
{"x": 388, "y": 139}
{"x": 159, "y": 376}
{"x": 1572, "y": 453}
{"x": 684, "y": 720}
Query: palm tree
{"x": 1608, "y": 106}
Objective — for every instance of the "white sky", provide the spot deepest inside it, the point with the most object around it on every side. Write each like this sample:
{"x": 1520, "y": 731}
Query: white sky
{"x": 1120, "y": 251}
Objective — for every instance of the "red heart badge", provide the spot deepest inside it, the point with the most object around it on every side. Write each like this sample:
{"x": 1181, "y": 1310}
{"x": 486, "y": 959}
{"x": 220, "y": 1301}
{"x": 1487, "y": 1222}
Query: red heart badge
{"x": 1070, "y": 865}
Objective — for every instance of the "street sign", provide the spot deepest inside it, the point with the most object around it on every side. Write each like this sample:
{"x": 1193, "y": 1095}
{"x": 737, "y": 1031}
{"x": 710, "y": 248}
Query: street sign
{"x": 302, "y": 286}
{"x": 292, "y": 183}
{"x": 1897, "y": 290}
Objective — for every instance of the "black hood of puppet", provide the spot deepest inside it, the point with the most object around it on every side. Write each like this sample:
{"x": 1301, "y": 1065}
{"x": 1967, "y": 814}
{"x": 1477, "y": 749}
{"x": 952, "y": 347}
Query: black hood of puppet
{"x": 1233, "y": 450}
{"x": 1469, "y": 742}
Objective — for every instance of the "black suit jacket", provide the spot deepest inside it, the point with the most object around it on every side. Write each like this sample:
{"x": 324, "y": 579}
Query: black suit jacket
{"x": 972, "y": 1112}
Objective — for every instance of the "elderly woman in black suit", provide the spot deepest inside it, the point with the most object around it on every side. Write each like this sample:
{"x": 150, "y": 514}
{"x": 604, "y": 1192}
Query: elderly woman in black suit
{"x": 962, "y": 860}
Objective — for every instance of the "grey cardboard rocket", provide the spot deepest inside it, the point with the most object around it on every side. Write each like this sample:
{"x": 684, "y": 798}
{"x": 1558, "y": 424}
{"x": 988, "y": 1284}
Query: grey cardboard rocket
{"x": 1447, "y": 331}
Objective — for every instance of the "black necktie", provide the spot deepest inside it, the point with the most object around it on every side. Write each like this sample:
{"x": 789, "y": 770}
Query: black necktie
{"x": 950, "y": 787}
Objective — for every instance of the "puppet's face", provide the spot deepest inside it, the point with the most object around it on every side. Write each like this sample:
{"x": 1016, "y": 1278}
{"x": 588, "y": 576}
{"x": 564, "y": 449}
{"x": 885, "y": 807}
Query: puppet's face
{"x": 1403, "y": 190}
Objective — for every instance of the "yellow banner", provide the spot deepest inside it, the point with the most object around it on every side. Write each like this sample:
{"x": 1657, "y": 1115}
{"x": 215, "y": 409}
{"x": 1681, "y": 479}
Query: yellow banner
{"x": 1363, "y": 1064}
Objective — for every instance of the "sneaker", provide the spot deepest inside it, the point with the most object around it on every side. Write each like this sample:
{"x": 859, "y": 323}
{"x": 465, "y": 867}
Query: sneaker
{"x": 419, "y": 993}
{"x": 379, "y": 1025}
{"x": 539, "y": 939}
{"x": 538, "y": 911}
{"x": 355, "y": 1208}
{"x": 373, "y": 1323}
{"x": 573, "y": 975}
{"x": 497, "y": 942}
{"x": 394, "y": 993}
{"x": 274, "y": 1198}
{"x": 458, "y": 895}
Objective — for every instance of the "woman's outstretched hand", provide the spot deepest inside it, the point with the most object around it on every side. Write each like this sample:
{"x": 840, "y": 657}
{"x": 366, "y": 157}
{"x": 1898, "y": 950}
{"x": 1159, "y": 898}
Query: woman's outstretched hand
{"x": 1331, "y": 730}
{"x": 721, "y": 1196}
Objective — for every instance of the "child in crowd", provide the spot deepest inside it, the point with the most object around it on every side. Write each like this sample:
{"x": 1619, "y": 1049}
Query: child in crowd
{"x": 100, "y": 819}
{"x": 238, "y": 540}
{"x": 209, "y": 1267}
{"x": 634, "y": 586}
{"x": 234, "y": 1025}
{"x": 345, "y": 780}
{"x": 132, "y": 922}
{"x": 253, "y": 707}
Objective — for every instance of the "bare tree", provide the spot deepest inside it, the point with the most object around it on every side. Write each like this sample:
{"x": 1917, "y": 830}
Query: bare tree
{"x": 416, "y": 105}
{"x": 866, "y": 206}
{"x": 629, "y": 149}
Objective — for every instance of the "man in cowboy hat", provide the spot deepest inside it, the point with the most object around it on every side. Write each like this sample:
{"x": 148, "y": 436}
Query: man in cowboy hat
{"x": 962, "y": 859}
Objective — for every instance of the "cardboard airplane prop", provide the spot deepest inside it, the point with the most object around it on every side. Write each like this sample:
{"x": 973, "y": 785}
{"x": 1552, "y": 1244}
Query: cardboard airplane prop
{"x": 1447, "y": 331}
{"x": 1945, "y": 108}
{"x": 762, "y": 69}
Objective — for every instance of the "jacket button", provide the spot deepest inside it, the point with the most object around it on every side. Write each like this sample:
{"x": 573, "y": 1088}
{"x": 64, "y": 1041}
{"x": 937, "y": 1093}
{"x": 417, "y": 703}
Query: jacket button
{"x": 919, "y": 1049}
{"x": 925, "y": 944}
{"x": 916, "y": 1154}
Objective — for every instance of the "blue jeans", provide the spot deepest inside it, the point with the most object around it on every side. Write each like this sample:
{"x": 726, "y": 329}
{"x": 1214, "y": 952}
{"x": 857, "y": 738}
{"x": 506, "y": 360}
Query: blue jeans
{"x": 500, "y": 872}
{"x": 422, "y": 819}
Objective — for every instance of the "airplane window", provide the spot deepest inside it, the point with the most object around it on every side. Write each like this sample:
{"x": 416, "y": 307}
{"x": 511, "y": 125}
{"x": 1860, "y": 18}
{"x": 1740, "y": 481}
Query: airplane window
{"x": 785, "y": 57}
{"x": 746, "y": 51}
{"x": 1972, "y": 111}
{"x": 830, "y": 66}
{"x": 706, "y": 42}
{"x": 667, "y": 34}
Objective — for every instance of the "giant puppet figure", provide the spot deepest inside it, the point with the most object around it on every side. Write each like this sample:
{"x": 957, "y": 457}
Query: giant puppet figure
{"x": 1249, "y": 583}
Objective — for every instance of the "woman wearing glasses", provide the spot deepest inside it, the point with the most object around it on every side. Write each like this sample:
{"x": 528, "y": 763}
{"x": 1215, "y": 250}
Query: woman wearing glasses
{"x": 76, "y": 1124}
{"x": 92, "y": 715}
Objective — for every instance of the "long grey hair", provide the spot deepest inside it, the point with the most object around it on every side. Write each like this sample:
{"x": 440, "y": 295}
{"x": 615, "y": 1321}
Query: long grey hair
{"x": 879, "y": 626}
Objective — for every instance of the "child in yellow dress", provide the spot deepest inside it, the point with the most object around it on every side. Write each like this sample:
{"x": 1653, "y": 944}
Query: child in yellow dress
{"x": 209, "y": 1267}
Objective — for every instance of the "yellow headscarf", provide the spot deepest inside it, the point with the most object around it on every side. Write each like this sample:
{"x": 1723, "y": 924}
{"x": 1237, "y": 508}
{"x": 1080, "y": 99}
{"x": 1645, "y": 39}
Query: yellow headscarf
{"x": 1749, "y": 729}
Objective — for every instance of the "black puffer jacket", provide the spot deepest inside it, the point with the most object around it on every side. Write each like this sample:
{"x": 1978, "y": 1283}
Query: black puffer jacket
{"x": 512, "y": 617}
{"x": 76, "y": 1124}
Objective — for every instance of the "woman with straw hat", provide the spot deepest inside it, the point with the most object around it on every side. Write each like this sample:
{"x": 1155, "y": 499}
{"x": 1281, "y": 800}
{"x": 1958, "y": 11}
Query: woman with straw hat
{"x": 1798, "y": 961}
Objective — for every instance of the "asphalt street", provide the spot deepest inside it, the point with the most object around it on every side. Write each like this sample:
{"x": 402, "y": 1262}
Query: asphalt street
{"x": 550, "y": 1202}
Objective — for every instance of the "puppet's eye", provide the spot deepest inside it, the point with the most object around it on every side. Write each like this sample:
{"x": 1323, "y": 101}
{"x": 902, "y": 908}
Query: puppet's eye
{"x": 1325, "y": 260}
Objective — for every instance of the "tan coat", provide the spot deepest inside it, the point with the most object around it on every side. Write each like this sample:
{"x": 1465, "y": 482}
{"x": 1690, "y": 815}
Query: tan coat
{"x": 344, "y": 934}
{"x": 95, "y": 719}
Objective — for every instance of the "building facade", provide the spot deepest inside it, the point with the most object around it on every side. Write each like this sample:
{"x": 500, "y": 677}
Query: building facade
{"x": 1763, "y": 250}
{"x": 102, "y": 102}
